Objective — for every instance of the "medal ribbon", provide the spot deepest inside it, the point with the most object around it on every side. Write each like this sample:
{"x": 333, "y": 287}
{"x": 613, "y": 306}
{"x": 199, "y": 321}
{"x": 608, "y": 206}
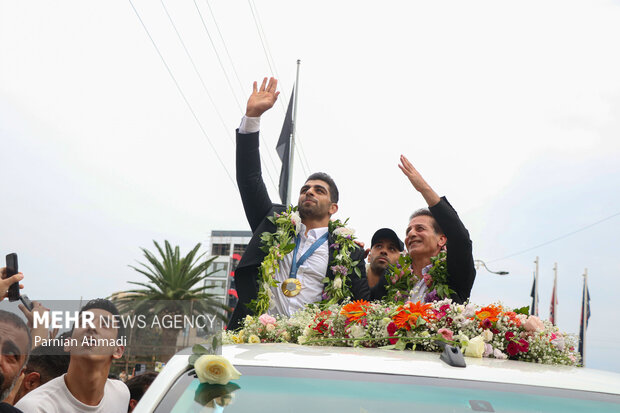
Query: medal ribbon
{"x": 296, "y": 264}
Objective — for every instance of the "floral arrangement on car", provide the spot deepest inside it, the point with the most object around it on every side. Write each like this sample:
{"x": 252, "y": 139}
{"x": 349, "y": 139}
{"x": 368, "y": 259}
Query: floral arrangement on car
{"x": 491, "y": 331}
{"x": 278, "y": 244}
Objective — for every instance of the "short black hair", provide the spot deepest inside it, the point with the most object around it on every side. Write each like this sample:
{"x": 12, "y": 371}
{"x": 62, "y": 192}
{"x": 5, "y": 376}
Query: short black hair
{"x": 139, "y": 384}
{"x": 427, "y": 213}
{"x": 333, "y": 189}
{"x": 49, "y": 361}
{"x": 15, "y": 321}
{"x": 105, "y": 305}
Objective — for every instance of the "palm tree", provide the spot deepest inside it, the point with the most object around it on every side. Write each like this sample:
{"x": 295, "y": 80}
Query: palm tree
{"x": 175, "y": 287}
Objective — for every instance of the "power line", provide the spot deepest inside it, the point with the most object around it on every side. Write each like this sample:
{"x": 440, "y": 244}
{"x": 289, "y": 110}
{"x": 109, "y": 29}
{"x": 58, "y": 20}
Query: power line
{"x": 232, "y": 90}
{"x": 274, "y": 72}
{"x": 182, "y": 94}
{"x": 224, "y": 44}
{"x": 204, "y": 86}
{"x": 556, "y": 239}
{"x": 264, "y": 44}
{"x": 204, "y": 25}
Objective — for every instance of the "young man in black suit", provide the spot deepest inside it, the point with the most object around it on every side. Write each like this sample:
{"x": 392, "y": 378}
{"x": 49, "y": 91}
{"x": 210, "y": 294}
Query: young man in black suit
{"x": 318, "y": 201}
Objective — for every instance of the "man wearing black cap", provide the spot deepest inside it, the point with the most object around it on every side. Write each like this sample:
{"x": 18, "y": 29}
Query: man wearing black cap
{"x": 385, "y": 248}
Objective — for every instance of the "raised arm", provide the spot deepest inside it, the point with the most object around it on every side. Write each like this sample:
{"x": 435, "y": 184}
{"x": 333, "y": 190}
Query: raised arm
{"x": 256, "y": 201}
{"x": 420, "y": 185}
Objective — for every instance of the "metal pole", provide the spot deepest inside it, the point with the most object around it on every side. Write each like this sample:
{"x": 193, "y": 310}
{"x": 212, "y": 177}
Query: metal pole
{"x": 292, "y": 148}
{"x": 536, "y": 290}
{"x": 584, "y": 318}
{"x": 555, "y": 293}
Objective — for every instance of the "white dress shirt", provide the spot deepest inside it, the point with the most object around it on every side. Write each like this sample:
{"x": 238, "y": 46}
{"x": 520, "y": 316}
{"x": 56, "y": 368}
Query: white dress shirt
{"x": 310, "y": 274}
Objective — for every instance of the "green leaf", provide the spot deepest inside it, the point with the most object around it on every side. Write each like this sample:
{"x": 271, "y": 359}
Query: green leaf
{"x": 198, "y": 349}
{"x": 523, "y": 310}
{"x": 400, "y": 344}
{"x": 193, "y": 358}
{"x": 357, "y": 271}
{"x": 288, "y": 248}
{"x": 420, "y": 321}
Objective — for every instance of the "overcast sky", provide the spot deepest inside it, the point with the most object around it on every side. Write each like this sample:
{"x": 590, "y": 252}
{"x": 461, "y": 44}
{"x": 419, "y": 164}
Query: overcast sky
{"x": 511, "y": 110}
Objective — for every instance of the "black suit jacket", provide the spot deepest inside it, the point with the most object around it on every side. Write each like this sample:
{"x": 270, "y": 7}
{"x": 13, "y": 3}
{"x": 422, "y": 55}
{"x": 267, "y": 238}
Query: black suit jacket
{"x": 461, "y": 269}
{"x": 258, "y": 208}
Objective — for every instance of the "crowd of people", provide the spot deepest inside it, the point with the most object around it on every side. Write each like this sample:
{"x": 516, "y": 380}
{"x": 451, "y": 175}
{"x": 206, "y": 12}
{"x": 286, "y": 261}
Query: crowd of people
{"x": 63, "y": 378}
{"x": 76, "y": 379}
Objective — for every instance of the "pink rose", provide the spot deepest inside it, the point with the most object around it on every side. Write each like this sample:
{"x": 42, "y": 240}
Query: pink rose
{"x": 446, "y": 333}
{"x": 266, "y": 319}
{"x": 533, "y": 324}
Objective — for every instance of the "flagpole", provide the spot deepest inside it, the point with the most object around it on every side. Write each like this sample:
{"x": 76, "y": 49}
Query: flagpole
{"x": 291, "y": 154}
{"x": 584, "y": 317}
{"x": 534, "y": 294}
{"x": 536, "y": 297}
{"x": 555, "y": 293}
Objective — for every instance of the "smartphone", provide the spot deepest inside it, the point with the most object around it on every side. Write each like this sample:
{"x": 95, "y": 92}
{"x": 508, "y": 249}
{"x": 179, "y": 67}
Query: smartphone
{"x": 26, "y": 302}
{"x": 12, "y": 269}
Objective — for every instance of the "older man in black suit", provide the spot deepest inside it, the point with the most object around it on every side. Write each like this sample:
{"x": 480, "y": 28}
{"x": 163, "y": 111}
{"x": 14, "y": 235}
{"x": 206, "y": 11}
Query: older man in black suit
{"x": 318, "y": 201}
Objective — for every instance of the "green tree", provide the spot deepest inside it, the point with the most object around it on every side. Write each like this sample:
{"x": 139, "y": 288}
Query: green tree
{"x": 175, "y": 287}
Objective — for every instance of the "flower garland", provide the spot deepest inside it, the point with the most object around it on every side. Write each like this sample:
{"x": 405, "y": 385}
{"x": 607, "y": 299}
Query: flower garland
{"x": 492, "y": 331}
{"x": 401, "y": 281}
{"x": 341, "y": 263}
{"x": 281, "y": 242}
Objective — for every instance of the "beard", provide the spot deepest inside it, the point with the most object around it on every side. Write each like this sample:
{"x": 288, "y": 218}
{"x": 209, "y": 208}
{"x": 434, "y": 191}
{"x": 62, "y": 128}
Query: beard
{"x": 379, "y": 269}
{"x": 310, "y": 211}
{"x": 4, "y": 392}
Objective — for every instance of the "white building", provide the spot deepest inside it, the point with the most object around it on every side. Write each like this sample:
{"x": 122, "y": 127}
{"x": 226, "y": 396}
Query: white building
{"x": 229, "y": 247}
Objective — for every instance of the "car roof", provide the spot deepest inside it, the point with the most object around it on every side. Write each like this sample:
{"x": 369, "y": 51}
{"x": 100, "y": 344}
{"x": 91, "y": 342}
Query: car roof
{"x": 409, "y": 363}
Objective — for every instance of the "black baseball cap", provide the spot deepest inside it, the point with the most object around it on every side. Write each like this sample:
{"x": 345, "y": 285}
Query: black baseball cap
{"x": 386, "y": 233}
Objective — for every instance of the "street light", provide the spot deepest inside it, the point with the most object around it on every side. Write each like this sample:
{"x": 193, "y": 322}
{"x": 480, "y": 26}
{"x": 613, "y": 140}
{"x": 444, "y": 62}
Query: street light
{"x": 479, "y": 263}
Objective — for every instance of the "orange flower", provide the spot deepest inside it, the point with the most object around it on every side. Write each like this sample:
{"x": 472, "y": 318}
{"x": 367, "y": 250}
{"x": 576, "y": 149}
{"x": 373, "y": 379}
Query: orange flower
{"x": 490, "y": 312}
{"x": 355, "y": 311}
{"x": 513, "y": 318}
{"x": 408, "y": 314}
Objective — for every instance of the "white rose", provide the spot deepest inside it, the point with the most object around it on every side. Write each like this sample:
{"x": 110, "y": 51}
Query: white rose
{"x": 487, "y": 335}
{"x": 357, "y": 331}
{"x": 215, "y": 370}
{"x": 469, "y": 310}
{"x": 499, "y": 355}
{"x": 475, "y": 348}
{"x": 462, "y": 339}
{"x": 344, "y": 231}
{"x": 337, "y": 283}
{"x": 296, "y": 220}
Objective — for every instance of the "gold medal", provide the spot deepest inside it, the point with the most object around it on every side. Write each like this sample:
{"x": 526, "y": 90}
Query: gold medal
{"x": 291, "y": 287}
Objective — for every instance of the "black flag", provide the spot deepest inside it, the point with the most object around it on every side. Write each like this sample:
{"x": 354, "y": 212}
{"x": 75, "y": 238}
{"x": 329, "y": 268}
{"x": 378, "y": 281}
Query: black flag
{"x": 585, "y": 317}
{"x": 534, "y": 295}
{"x": 284, "y": 148}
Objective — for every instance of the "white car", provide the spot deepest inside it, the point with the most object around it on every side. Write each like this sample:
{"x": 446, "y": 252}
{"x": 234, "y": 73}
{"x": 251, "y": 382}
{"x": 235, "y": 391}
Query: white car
{"x": 293, "y": 378}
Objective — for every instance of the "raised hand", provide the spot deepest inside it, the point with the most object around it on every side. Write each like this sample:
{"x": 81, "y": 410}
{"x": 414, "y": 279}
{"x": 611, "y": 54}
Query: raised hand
{"x": 418, "y": 182}
{"x": 262, "y": 99}
{"x": 5, "y": 283}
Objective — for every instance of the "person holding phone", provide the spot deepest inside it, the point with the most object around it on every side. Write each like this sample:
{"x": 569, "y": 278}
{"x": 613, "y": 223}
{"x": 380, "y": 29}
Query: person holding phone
{"x": 6, "y": 282}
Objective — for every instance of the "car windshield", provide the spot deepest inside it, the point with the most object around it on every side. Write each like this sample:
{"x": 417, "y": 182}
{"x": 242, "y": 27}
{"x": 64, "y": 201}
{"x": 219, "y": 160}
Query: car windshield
{"x": 276, "y": 389}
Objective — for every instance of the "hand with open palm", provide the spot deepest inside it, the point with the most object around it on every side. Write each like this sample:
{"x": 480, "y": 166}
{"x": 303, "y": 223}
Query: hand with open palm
{"x": 263, "y": 98}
